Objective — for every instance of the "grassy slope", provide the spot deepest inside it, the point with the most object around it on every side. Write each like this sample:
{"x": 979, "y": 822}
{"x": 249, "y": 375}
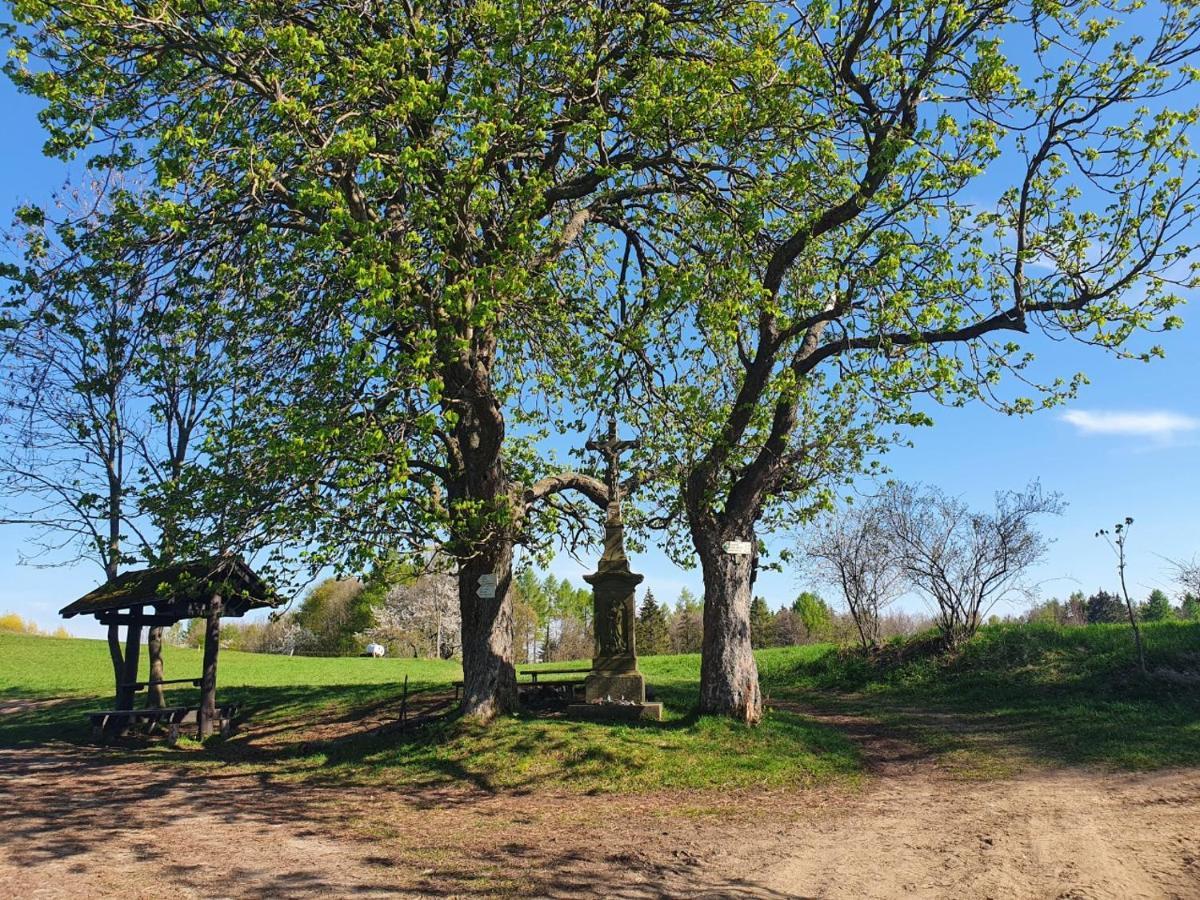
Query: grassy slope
{"x": 285, "y": 695}
{"x": 1016, "y": 694}
{"x": 57, "y": 667}
{"x": 1026, "y": 693}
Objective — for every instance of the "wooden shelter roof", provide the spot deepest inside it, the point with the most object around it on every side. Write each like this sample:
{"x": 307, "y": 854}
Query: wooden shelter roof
{"x": 180, "y": 591}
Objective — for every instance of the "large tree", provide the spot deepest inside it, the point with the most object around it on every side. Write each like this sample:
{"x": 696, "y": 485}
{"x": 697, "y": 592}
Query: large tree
{"x": 414, "y": 180}
{"x": 944, "y": 183}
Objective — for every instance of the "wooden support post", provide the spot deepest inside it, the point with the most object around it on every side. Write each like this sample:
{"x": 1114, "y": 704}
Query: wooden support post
{"x": 133, "y": 650}
{"x": 208, "y": 679}
{"x": 118, "y": 662}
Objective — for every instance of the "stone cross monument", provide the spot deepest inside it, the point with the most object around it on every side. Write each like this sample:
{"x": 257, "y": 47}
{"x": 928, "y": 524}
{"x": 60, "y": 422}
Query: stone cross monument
{"x": 615, "y": 681}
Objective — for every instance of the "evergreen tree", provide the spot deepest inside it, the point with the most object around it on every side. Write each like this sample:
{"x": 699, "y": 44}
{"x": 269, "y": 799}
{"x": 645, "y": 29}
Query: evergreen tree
{"x": 1190, "y": 608}
{"x": 762, "y": 624}
{"x": 1157, "y": 607}
{"x": 1104, "y": 607}
{"x": 687, "y": 623}
{"x": 815, "y": 614}
{"x": 652, "y": 636}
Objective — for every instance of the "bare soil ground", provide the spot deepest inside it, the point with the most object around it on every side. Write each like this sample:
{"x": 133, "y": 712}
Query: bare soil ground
{"x": 74, "y": 823}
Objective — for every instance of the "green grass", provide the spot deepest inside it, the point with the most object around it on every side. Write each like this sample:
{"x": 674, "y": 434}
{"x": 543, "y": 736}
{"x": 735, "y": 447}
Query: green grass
{"x": 1015, "y": 696}
{"x": 1024, "y": 694}
{"x": 284, "y": 697}
{"x": 55, "y": 667}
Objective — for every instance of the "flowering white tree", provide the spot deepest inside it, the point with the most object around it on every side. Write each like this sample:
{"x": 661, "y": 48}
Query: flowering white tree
{"x": 419, "y": 616}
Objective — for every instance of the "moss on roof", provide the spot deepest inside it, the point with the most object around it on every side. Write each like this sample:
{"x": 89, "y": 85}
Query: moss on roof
{"x": 180, "y": 583}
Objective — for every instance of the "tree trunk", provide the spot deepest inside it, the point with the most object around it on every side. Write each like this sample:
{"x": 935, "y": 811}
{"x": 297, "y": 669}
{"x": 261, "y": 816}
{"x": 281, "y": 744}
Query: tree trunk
{"x": 1133, "y": 622}
{"x": 154, "y": 644}
{"x": 488, "y": 518}
{"x": 728, "y": 672}
{"x": 208, "y": 678}
{"x": 489, "y": 676}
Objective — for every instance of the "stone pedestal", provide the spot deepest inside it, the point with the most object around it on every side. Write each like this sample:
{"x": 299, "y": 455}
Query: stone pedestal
{"x": 603, "y": 687}
{"x": 615, "y": 688}
{"x": 617, "y": 712}
{"x": 614, "y": 675}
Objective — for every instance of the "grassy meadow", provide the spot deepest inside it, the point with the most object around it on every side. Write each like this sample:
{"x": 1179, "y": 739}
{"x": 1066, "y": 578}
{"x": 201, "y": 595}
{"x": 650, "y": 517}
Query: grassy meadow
{"x": 332, "y": 719}
{"x": 1017, "y": 695}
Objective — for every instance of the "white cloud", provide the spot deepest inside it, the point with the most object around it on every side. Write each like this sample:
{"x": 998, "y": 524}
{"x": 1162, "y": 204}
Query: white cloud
{"x": 1159, "y": 424}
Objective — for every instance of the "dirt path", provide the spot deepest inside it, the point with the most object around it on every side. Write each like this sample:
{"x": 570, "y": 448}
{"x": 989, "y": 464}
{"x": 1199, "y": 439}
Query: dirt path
{"x": 1054, "y": 835}
{"x": 918, "y": 831}
{"x": 913, "y": 831}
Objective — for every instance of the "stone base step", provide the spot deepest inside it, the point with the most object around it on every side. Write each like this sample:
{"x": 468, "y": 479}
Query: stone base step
{"x": 617, "y": 712}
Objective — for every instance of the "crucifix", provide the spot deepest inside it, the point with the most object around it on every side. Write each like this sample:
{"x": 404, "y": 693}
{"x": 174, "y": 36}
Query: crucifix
{"x": 611, "y": 449}
{"x": 615, "y": 683}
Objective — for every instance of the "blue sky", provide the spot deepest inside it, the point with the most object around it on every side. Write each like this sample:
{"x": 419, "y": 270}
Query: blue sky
{"x": 1126, "y": 447}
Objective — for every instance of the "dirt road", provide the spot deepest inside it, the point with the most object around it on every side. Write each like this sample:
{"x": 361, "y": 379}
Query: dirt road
{"x": 74, "y": 824}
{"x": 1045, "y": 834}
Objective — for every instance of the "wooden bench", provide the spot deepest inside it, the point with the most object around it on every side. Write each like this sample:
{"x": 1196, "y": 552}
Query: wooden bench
{"x": 102, "y": 721}
{"x": 105, "y": 720}
{"x": 569, "y": 686}
{"x": 533, "y": 679}
{"x": 534, "y": 673}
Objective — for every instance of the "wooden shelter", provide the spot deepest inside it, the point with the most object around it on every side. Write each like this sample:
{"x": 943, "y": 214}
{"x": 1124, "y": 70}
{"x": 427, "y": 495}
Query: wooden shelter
{"x": 207, "y": 588}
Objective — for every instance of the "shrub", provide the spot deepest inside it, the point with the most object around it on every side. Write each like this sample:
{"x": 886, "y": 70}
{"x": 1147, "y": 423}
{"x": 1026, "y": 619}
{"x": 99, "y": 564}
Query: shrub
{"x": 12, "y": 622}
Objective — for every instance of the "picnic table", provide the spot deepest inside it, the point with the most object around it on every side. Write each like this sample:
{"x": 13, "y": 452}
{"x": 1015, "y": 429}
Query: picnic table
{"x": 543, "y": 687}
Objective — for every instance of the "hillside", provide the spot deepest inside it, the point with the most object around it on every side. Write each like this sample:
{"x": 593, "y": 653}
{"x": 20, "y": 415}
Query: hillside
{"x": 35, "y": 666}
{"x": 1020, "y": 695}
{"x": 1017, "y": 696}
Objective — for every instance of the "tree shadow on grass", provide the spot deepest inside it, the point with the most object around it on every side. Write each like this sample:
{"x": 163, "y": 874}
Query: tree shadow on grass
{"x": 333, "y": 735}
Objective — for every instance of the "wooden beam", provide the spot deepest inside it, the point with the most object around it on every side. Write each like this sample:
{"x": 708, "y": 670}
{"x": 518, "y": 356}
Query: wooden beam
{"x": 208, "y": 678}
{"x": 133, "y": 642}
{"x": 126, "y": 619}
